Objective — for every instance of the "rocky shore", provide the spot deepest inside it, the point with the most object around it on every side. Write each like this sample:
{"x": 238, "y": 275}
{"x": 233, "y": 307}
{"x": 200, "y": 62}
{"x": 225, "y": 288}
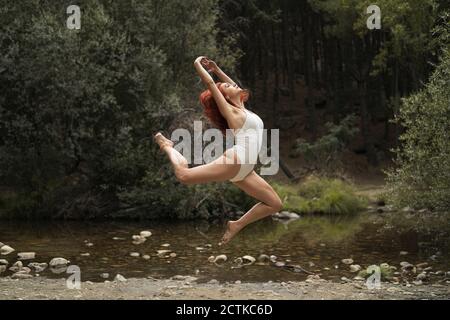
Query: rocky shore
{"x": 181, "y": 287}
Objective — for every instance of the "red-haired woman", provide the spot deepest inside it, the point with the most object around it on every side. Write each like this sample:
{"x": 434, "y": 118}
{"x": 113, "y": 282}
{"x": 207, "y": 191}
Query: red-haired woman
{"x": 224, "y": 106}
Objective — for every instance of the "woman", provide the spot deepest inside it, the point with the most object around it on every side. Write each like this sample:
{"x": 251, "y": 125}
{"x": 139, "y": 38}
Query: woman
{"x": 224, "y": 106}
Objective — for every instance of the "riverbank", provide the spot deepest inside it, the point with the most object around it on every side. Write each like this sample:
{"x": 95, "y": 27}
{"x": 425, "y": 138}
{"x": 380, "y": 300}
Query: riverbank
{"x": 171, "y": 289}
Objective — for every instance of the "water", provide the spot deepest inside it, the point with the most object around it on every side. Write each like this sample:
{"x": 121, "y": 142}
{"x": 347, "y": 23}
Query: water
{"x": 314, "y": 243}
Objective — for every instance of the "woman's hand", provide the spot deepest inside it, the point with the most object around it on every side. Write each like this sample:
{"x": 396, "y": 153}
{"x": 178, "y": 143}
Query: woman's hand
{"x": 209, "y": 64}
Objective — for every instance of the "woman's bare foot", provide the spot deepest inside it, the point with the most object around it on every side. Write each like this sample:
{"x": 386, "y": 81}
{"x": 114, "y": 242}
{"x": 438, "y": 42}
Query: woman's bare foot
{"x": 162, "y": 141}
{"x": 233, "y": 228}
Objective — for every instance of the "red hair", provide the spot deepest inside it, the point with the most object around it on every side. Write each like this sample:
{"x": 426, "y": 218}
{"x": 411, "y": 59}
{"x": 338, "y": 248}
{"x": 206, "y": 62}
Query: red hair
{"x": 211, "y": 109}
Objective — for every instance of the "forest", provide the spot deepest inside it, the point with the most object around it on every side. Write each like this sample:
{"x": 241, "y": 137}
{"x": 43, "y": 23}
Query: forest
{"x": 78, "y": 107}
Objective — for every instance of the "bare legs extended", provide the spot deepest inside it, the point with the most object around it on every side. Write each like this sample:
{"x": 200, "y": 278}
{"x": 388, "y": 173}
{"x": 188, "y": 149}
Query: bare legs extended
{"x": 222, "y": 169}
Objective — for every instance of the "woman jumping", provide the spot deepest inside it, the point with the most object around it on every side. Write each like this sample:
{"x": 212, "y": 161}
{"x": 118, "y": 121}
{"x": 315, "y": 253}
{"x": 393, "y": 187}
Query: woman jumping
{"x": 224, "y": 106}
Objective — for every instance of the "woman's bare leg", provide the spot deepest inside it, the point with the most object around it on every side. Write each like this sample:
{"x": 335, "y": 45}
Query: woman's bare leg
{"x": 258, "y": 188}
{"x": 224, "y": 168}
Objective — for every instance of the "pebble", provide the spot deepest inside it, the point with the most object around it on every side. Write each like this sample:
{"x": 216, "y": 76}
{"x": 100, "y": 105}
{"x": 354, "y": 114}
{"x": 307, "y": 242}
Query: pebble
{"x": 403, "y": 253}
{"x": 238, "y": 282}
{"x": 38, "y": 267}
{"x": 347, "y": 261}
{"x": 421, "y": 276}
{"x": 120, "y": 278}
{"x": 89, "y": 244}
{"x": 134, "y": 254}
{"x": 355, "y": 268}
{"x": 20, "y": 275}
{"x": 5, "y": 250}
{"x": 117, "y": 239}
{"x": 16, "y": 266}
{"x": 264, "y": 258}
{"x": 279, "y": 264}
{"x": 213, "y": 281}
{"x": 273, "y": 258}
{"x": 220, "y": 258}
{"x": 165, "y": 245}
{"x": 422, "y": 265}
{"x": 104, "y": 275}
{"x": 3, "y": 262}
{"x": 56, "y": 262}
{"x": 2, "y": 268}
{"x": 26, "y": 255}
{"x": 85, "y": 254}
{"x": 173, "y": 255}
{"x": 146, "y": 257}
{"x": 248, "y": 260}
{"x": 146, "y": 234}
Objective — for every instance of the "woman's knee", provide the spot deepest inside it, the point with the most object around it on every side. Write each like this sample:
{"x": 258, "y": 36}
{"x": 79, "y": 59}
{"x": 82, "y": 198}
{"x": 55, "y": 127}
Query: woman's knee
{"x": 276, "y": 203}
{"x": 183, "y": 176}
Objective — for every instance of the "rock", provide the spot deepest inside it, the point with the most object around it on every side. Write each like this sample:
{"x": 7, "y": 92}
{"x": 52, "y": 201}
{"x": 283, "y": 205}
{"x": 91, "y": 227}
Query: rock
{"x": 355, "y": 268}
{"x": 345, "y": 279}
{"x": 146, "y": 234}
{"x": 263, "y": 258}
{"x": 5, "y": 250}
{"x": 89, "y": 244}
{"x": 38, "y": 267}
{"x": 137, "y": 239}
{"x": 311, "y": 264}
{"x": 326, "y": 269}
{"x": 165, "y": 245}
{"x": 173, "y": 255}
{"x": 407, "y": 209}
{"x": 358, "y": 278}
{"x": 1, "y": 244}
{"x": 238, "y": 282}
{"x": 199, "y": 248}
{"x": 120, "y": 278}
{"x": 405, "y": 264}
{"x": 221, "y": 258}
{"x": 280, "y": 264}
{"x": 16, "y": 267}
{"x": 85, "y": 254}
{"x": 211, "y": 259}
{"x": 248, "y": 260}
{"x": 135, "y": 254}
{"x": 273, "y": 258}
{"x": 184, "y": 278}
{"x": 3, "y": 262}
{"x": 26, "y": 255}
{"x": 440, "y": 273}
{"x": 385, "y": 266}
{"x": 417, "y": 282}
{"x": 285, "y": 215}
{"x": 20, "y": 275}
{"x": 347, "y": 261}
{"x": 422, "y": 265}
{"x": 56, "y": 262}
{"x": 163, "y": 253}
{"x": 2, "y": 268}
{"x": 357, "y": 286}
{"x": 118, "y": 239}
{"x": 213, "y": 281}
{"x": 403, "y": 253}
{"x": 146, "y": 257}
{"x": 104, "y": 275}
{"x": 312, "y": 277}
{"x": 422, "y": 276}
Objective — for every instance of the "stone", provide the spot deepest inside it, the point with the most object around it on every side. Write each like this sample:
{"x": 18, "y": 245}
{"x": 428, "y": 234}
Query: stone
{"x": 403, "y": 253}
{"x": 135, "y": 254}
{"x": 26, "y": 255}
{"x": 311, "y": 264}
{"x": 248, "y": 260}
{"x": 56, "y": 262}
{"x": 211, "y": 259}
{"x": 145, "y": 234}
{"x": 120, "y": 278}
{"x": 162, "y": 253}
{"x": 38, "y": 267}
{"x": 4, "y": 262}
{"x": 19, "y": 275}
{"x": 146, "y": 257}
{"x": 16, "y": 266}
{"x": 104, "y": 275}
{"x": 422, "y": 276}
{"x": 5, "y": 250}
{"x": 2, "y": 268}
{"x": 422, "y": 265}
{"x": 87, "y": 254}
{"x": 213, "y": 281}
{"x": 273, "y": 258}
{"x": 347, "y": 261}
{"x": 355, "y": 268}
{"x": 89, "y": 244}
{"x": 173, "y": 255}
{"x": 220, "y": 258}
{"x": 345, "y": 279}
{"x": 118, "y": 239}
{"x": 279, "y": 264}
{"x": 263, "y": 258}
{"x": 417, "y": 282}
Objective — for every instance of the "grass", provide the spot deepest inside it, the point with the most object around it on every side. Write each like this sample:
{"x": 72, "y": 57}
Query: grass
{"x": 321, "y": 195}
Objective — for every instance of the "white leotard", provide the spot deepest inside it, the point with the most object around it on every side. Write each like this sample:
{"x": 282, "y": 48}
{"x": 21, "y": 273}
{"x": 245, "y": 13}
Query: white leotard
{"x": 247, "y": 144}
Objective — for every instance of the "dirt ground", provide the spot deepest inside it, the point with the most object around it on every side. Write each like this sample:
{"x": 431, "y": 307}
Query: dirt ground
{"x": 152, "y": 289}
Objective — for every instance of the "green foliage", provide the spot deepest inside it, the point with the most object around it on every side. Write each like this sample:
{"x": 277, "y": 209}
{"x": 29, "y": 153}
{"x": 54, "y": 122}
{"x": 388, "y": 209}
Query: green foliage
{"x": 422, "y": 176}
{"x": 321, "y": 195}
{"x": 78, "y": 107}
{"x": 324, "y": 154}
